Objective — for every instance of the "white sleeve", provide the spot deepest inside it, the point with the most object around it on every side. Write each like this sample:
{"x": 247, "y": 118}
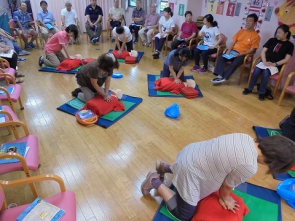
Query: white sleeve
{"x": 203, "y": 28}
{"x": 239, "y": 175}
{"x": 172, "y": 25}
{"x": 161, "y": 20}
{"x": 62, "y": 12}
{"x": 216, "y": 30}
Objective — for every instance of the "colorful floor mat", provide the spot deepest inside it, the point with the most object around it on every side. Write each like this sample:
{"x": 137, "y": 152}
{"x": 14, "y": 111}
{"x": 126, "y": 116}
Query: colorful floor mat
{"x": 51, "y": 69}
{"x": 140, "y": 54}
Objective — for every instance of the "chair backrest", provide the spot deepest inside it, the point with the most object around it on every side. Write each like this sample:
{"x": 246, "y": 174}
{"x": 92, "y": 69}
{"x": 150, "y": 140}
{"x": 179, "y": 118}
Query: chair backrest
{"x": 200, "y": 22}
{"x": 2, "y": 199}
{"x": 11, "y": 23}
{"x": 224, "y": 39}
{"x": 175, "y": 30}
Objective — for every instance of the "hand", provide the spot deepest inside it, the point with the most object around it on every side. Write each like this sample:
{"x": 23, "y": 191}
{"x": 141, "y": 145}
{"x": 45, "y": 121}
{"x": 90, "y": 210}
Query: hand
{"x": 107, "y": 98}
{"x": 229, "y": 203}
{"x": 162, "y": 34}
{"x": 211, "y": 47}
{"x": 272, "y": 64}
{"x": 177, "y": 81}
{"x": 120, "y": 51}
{"x": 202, "y": 34}
{"x": 91, "y": 24}
{"x": 266, "y": 63}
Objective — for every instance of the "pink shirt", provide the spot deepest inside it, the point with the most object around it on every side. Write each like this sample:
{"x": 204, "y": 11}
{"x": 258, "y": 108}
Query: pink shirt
{"x": 56, "y": 42}
{"x": 188, "y": 29}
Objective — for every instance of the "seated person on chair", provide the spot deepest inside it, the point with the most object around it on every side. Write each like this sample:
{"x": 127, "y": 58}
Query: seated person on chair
{"x": 15, "y": 46}
{"x": 288, "y": 126}
{"x": 166, "y": 25}
{"x": 245, "y": 41}
{"x": 174, "y": 64}
{"x": 56, "y": 43}
{"x": 151, "y": 21}
{"x": 212, "y": 38}
{"x": 188, "y": 31}
{"x": 123, "y": 37}
{"x": 93, "y": 14}
{"x": 23, "y": 21}
{"x": 47, "y": 21}
{"x": 227, "y": 161}
{"x": 116, "y": 15}
{"x": 138, "y": 17}
{"x": 276, "y": 52}
{"x": 68, "y": 16}
{"x": 93, "y": 75}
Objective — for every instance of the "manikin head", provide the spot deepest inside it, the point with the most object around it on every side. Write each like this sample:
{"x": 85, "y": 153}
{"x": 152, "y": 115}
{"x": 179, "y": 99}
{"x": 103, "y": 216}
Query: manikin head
{"x": 118, "y": 93}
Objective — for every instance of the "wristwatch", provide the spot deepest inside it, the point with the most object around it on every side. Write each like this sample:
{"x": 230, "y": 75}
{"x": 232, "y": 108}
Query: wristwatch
{"x": 276, "y": 64}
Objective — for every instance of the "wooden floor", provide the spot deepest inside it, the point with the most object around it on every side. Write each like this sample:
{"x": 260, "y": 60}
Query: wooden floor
{"x": 105, "y": 167}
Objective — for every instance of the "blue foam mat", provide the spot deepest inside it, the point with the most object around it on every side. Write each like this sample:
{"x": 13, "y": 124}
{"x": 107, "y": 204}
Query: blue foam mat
{"x": 140, "y": 54}
{"x": 45, "y": 69}
{"x": 102, "y": 122}
{"x": 153, "y": 93}
{"x": 251, "y": 189}
{"x": 262, "y": 133}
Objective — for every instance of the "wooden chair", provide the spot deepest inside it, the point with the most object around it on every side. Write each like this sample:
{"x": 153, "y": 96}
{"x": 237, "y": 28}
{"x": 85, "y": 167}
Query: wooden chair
{"x": 110, "y": 28}
{"x": 287, "y": 88}
{"x": 200, "y": 22}
{"x": 17, "y": 33}
{"x": 276, "y": 77}
{"x": 7, "y": 114}
{"x": 64, "y": 200}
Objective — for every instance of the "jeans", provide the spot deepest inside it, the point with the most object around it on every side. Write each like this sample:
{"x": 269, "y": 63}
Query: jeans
{"x": 159, "y": 42}
{"x": 221, "y": 62}
{"x": 175, "y": 43}
{"x": 134, "y": 28}
{"x": 265, "y": 74}
{"x": 204, "y": 54}
{"x": 16, "y": 47}
{"x": 166, "y": 73}
{"x": 129, "y": 45}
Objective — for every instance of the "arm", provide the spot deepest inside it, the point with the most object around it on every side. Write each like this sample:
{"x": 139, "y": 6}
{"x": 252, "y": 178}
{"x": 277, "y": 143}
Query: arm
{"x": 97, "y": 87}
{"x": 63, "y": 21}
{"x": 231, "y": 46}
{"x": 66, "y": 51}
{"x": 98, "y": 20}
{"x": 77, "y": 22}
{"x": 107, "y": 88}
{"x": 251, "y": 51}
{"x": 124, "y": 43}
{"x": 180, "y": 72}
{"x": 218, "y": 42}
{"x": 226, "y": 201}
{"x": 190, "y": 37}
{"x": 89, "y": 21}
{"x": 172, "y": 72}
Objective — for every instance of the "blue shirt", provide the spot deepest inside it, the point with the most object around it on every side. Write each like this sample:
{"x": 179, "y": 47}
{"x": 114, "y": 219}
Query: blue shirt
{"x": 174, "y": 61}
{"x": 138, "y": 14}
{"x": 45, "y": 17}
{"x": 22, "y": 18}
{"x": 93, "y": 13}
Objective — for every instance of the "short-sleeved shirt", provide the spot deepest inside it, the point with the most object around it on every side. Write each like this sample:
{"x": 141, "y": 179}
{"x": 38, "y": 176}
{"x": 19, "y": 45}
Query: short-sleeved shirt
{"x": 138, "y": 13}
{"x": 201, "y": 168}
{"x": 46, "y": 17}
{"x": 91, "y": 70}
{"x": 172, "y": 60}
{"x": 277, "y": 49}
{"x": 126, "y": 34}
{"x": 245, "y": 40}
{"x": 210, "y": 37}
{"x": 166, "y": 25}
{"x": 116, "y": 13}
{"x": 56, "y": 42}
{"x": 93, "y": 13}
{"x": 70, "y": 16}
{"x": 188, "y": 29}
{"x": 22, "y": 18}
{"x": 152, "y": 19}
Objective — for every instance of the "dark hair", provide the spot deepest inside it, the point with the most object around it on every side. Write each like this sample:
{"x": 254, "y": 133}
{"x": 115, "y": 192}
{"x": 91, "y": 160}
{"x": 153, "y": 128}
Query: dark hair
{"x": 168, "y": 9}
{"x": 210, "y": 19}
{"x": 188, "y": 13}
{"x": 119, "y": 30}
{"x": 74, "y": 29}
{"x": 285, "y": 29}
{"x": 43, "y": 2}
{"x": 279, "y": 153}
{"x": 108, "y": 62}
{"x": 183, "y": 52}
{"x": 254, "y": 16}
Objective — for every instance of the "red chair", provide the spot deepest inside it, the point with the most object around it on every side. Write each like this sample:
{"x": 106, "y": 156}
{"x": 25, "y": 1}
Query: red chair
{"x": 287, "y": 88}
{"x": 6, "y": 115}
{"x": 5, "y": 68}
{"x": 64, "y": 200}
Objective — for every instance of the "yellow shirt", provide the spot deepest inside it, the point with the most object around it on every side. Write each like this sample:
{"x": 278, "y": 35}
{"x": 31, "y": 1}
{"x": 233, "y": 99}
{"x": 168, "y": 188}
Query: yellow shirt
{"x": 245, "y": 40}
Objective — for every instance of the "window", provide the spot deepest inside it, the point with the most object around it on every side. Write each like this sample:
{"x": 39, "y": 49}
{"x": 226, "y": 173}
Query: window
{"x": 132, "y": 3}
{"x": 164, "y": 4}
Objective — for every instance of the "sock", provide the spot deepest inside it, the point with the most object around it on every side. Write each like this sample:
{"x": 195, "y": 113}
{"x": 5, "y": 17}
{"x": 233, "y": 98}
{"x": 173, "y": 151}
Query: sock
{"x": 156, "y": 183}
{"x": 219, "y": 76}
{"x": 167, "y": 168}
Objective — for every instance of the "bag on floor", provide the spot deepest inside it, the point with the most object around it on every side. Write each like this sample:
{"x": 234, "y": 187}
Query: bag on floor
{"x": 286, "y": 190}
{"x": 130, "y": 60}
{"x": 189, "y": 92}
{"x": 172, "y": 111}
{"x": 268, "y": 92}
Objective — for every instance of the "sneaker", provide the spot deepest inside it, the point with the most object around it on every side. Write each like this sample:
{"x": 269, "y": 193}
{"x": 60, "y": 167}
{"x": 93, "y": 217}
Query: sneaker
{"x": 23, "y": 52}
{"x": 261, "y": 97}
{"x": 135, "y": 41}
{"x": 203, "y": 71}
{"x": 76, "y": 92}
{"x": 20, "y": 59}
{"x": 32, "y": 45}
{"x": 94, "y": 40}
{"x": 113, "y": 40}
{"x": 160, "y": 168}
{"x": 217, "y": 80}
{"x": 148, "y": 44}
{"x": 27, "y": 46}
{"x": 195, "y": 68}
{"x": 247, "y": 91}
{"x": 41, "y": 60}
{"x": 146, "y": 185}
{"x": 144, "y": 43}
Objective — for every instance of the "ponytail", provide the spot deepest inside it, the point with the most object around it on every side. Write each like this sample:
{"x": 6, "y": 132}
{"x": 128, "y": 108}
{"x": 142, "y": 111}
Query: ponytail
{"x": 168, "y": 9}
{"x": 215, "y": 24}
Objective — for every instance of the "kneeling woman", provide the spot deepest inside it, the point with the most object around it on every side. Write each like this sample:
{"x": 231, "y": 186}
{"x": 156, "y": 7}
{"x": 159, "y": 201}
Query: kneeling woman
{"x": 94, "y": 74}
{"x": 276, "y": 52}
{"x": 56, "y": 43}
{"x": 174, "y": 64}
{"x": 221, "y": 163}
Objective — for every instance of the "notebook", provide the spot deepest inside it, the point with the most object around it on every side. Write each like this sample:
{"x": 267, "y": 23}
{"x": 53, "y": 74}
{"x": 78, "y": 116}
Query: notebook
{"x": 49, "y": 26}
{"x": 7, "y": 54}
{"x": 230, "y": 55}
{"x": 203, "y": 47}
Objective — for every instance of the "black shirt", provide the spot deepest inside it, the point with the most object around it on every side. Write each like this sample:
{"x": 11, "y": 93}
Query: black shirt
{"x": 277, "y": 50}
{"x": 93, "y": 13}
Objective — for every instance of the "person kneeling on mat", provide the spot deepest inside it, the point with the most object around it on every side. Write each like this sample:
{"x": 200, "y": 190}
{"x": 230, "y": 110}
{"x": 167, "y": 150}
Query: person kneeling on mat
{"x": 174, "y": 64}
{"x": 93, "y": 75}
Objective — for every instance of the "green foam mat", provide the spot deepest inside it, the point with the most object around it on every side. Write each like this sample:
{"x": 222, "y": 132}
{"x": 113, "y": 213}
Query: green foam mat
{"x": 291, "y": 173}
{"x": 76, "y": 103}
{"x": 114, "y": 115}
{"x": 273, "y": 132}
{"x": 167, "y": 213}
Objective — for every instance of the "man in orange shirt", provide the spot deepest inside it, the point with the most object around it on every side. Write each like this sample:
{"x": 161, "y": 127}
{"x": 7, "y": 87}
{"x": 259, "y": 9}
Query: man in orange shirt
{"x": 245, "y": 41}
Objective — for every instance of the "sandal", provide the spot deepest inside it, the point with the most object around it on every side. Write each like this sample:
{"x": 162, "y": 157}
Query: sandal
{"x": 19, "y": 75}
{"x": 18, "y": 81}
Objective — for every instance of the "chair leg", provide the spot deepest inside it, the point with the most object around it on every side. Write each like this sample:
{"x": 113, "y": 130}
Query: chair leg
{"x": 281, "y": 97}
{"x": 21, "y": 104}
{"x": 276, "y": 88}
{"x": 9, "y": 130}
{"x": 11, "y": 106}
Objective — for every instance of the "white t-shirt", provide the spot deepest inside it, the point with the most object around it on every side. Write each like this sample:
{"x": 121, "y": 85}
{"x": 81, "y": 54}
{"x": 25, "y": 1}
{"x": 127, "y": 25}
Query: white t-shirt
{"x": 70, "y": 16}
{"x": 210, "y": 37}
{"x": 116, "y": 12}
{"x": 126, "y": 34}
{"x": 166, "y": 25}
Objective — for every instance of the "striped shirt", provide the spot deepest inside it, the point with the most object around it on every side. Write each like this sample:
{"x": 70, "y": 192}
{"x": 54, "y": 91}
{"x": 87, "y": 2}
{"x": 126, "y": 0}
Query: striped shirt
{"x": 202, "y": 167}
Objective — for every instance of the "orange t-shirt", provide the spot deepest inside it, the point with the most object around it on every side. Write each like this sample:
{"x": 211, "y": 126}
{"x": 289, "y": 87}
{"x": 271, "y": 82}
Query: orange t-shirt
{"x": 245, "y": 40}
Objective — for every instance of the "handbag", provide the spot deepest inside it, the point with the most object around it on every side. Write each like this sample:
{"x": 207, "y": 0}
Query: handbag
{"x": 268, "y": 92}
